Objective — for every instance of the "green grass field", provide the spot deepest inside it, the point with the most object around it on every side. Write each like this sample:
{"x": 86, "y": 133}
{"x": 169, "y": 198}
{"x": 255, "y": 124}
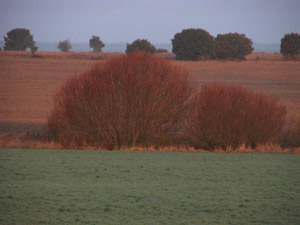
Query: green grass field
{"x": 101, "y": 187}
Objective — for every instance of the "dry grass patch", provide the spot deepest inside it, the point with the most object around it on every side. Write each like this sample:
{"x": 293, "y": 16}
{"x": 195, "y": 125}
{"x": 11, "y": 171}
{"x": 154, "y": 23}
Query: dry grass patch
{"x": 12, "y": 141}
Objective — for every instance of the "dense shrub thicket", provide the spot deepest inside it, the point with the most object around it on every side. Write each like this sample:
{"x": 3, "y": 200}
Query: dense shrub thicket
{"x": 290, "y": 45}
{"x": 291, "y": 137}
{"x": 193, "y": 44}
{"x": 227, "y": 116}
{"x": 232, "y": 46}
{"x": 137, "y": 99}
{"x": 197, "y": 44}
{"x": 161, "y": 50}
{"x": 141, "y": 100}
{"x": 140, "y": 45}
{"x": 96, "y": 43}
{"x": 64, "y": 46}
{"x": 19, "y": 39}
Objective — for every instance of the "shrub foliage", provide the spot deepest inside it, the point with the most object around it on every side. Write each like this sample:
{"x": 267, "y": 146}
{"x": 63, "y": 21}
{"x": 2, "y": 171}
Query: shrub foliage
{"x": 96, "y": 44}
{"x": 232, "y": 46}
{"x": 19, "y": 39}
{"x": 290, "y": 45}
{"x": 161, "y": 50}
{"x": 140, "y": 45}
{"x": 64, "y": 46}
{"x": 291, "y": 137}
{"x": 229, "y": 116}
{"x": 133, "y": 100}
{"x": 193, "y": 44}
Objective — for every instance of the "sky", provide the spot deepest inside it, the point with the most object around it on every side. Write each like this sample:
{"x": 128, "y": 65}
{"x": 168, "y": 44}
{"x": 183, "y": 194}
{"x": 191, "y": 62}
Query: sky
{"x": 115, "y": 21}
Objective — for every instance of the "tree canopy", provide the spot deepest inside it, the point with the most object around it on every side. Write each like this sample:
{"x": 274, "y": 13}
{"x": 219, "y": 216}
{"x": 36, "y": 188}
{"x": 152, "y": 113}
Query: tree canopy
{"x": 140, "y": 45}
{"x": 19, "y": 39}
{"x": 193, "y": 44}
{"x": 290, "y": 45}
{"x": 232, "y": 46}
{"x": 64, "y": 46}
{"x": 96, "y": 44}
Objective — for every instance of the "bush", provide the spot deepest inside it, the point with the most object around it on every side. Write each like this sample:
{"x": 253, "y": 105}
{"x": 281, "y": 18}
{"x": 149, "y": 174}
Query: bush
{"x": 232, "y": 46}
{"x": 193, "y": 44}
{"x": 291, "y": 137}
{"x": 161, "y": 50}
{"x": 19, "y": 39}
{"x": 140, "y": 45}
{"x": 133, "y": 100}
{"x": 290, "y": 45}
{"x": 96, "y": 44}
{"x": 227, "y": 116}
{"x": 64, "y": 46}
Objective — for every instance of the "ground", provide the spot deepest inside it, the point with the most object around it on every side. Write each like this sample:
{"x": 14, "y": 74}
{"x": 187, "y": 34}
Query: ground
{"x": 122, "y": 187}
{"x": 103, "y": 187}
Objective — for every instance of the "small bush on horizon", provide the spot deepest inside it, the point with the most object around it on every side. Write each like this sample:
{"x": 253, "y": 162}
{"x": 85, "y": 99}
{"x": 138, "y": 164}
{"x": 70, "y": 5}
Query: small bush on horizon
{"x": 161, "y": 50}
{"x": 193, "y": 44}
{"x": 232, "y": 46}
{"x": 290, "y": 45}
{"x": 140, "y": 45}
{"x": 134, "y": 100}
{"x": 96, "y": 43}
{"x": 228, "y": 116}
{"x": 64, "y": 46}
{"x": 19, "y": 39}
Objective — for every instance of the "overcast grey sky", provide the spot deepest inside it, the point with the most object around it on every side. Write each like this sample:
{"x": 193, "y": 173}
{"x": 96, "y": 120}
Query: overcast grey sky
{"x": 264, "y": 21}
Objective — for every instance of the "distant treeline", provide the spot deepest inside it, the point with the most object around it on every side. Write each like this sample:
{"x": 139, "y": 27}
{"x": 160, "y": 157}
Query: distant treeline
{"x": 121, "y": 47}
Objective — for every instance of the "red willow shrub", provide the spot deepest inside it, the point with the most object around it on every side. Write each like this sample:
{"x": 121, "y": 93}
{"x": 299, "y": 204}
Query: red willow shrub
{"x": 291, "y": 137}
{"x": 133, "y": 100}
{"x": 227, "y": 116}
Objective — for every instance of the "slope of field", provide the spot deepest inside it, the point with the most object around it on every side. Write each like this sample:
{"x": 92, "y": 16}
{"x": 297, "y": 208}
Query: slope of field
{"x": 27, "y": 85}
{"x": 101, "y": 187}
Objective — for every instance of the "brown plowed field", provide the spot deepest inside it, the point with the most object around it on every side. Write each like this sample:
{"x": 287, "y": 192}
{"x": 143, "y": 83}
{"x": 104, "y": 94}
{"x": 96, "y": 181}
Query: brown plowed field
{"x": 27, "y": 85}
